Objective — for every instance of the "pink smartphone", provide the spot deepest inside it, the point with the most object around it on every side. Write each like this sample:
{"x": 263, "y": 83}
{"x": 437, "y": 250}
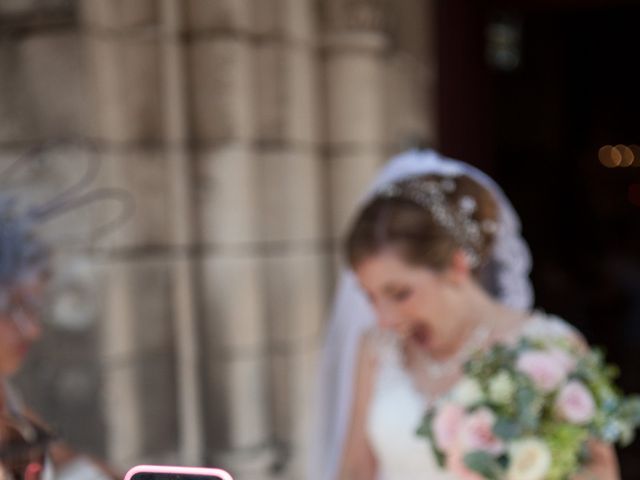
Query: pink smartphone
{"x": 156, "y": 472}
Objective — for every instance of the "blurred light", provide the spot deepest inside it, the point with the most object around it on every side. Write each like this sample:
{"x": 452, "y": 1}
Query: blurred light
{"x": 504, "y": 43}
{"x": 609, "y": 156}
{"x": 626, "y": 155}
{"x": 633, "y": 194}
{"x": 636, "y": 155}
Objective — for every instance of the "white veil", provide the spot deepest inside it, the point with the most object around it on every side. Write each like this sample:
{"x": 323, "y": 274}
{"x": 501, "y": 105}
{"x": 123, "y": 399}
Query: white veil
{"x": 352, "y": 315}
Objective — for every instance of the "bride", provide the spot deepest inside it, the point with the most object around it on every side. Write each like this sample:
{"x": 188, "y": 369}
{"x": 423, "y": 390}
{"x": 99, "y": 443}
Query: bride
{"x": 438, "y": 269}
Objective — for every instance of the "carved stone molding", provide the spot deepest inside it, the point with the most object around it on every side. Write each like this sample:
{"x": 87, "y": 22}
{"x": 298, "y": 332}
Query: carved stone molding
{"x": 37, "y": 12}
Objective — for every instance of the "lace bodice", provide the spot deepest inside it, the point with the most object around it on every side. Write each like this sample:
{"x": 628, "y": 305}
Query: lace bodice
{"x": 397, "y": 408}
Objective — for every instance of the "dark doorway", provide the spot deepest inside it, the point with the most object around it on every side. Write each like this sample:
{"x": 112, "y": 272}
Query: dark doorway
{"x": 536, "y": 121}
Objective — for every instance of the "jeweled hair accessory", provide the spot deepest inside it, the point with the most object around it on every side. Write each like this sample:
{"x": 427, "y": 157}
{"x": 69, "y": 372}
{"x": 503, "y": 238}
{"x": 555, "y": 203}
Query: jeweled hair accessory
{"x": 456, "y": 218}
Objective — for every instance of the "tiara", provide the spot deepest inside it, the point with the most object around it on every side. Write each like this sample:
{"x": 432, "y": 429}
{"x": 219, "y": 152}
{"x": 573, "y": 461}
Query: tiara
{"x": 457, "y": 219}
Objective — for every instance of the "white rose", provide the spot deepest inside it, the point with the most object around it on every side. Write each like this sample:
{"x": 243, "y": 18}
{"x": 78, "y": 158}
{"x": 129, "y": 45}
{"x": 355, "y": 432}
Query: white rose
{"x": 501, "y": 388}
{"x": 529, "y": 459}
{"x": 467, "y": 392}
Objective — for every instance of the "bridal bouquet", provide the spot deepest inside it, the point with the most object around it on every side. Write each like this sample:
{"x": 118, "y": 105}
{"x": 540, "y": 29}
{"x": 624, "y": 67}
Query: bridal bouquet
{"x": 525, "y": 412}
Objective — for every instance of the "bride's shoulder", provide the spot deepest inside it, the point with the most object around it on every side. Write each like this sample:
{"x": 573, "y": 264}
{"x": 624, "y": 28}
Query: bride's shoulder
{"x": 546, "y": 325}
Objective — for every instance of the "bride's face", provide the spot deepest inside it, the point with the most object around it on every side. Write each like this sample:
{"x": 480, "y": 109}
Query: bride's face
{"x": 422, "y": 305}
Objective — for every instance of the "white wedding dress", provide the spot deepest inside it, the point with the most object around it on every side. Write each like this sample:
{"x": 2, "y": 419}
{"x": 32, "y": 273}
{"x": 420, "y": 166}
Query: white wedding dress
{"x": 397, "y": 409}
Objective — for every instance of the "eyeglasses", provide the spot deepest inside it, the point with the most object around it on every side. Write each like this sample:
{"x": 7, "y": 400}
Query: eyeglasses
{"x": 23, "y": 447}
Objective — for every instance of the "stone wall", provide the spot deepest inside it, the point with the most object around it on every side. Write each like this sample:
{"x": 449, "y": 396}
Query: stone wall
{"x": 245, "y": 130}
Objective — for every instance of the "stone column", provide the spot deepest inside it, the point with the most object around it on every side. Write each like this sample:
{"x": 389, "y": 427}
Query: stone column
{"x": 124, "y": 55}
{"x": 291, "y": 216}
{"x": 222, "y": 81}
{"x": 355, "y": 43}
{"x": 186, "y": 325}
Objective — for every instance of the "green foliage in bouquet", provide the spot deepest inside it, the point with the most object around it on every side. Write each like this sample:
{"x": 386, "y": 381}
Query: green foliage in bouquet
{"x": 566, "y": 444}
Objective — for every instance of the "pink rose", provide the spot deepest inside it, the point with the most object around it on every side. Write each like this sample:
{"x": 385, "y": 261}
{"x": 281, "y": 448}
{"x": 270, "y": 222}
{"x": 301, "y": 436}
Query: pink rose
{"x": 477, "y": 433}
{"x": 455, "y": 464}
{"x": 547, "y": 369}
{"x": 575, "y": 403}
{"x": 446, "y": 425}
{"x": 564, "y": 360}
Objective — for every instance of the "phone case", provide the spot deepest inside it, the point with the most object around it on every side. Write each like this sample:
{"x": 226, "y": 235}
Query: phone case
{"x": 212, "y": 472}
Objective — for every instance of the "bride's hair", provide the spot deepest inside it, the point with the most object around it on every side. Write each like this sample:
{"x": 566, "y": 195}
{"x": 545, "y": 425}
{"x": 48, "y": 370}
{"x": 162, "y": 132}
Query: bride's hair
{"x": 426, "y": 219}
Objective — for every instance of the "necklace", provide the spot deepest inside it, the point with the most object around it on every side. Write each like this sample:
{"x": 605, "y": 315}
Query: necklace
{"x": 438, "y": 369}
